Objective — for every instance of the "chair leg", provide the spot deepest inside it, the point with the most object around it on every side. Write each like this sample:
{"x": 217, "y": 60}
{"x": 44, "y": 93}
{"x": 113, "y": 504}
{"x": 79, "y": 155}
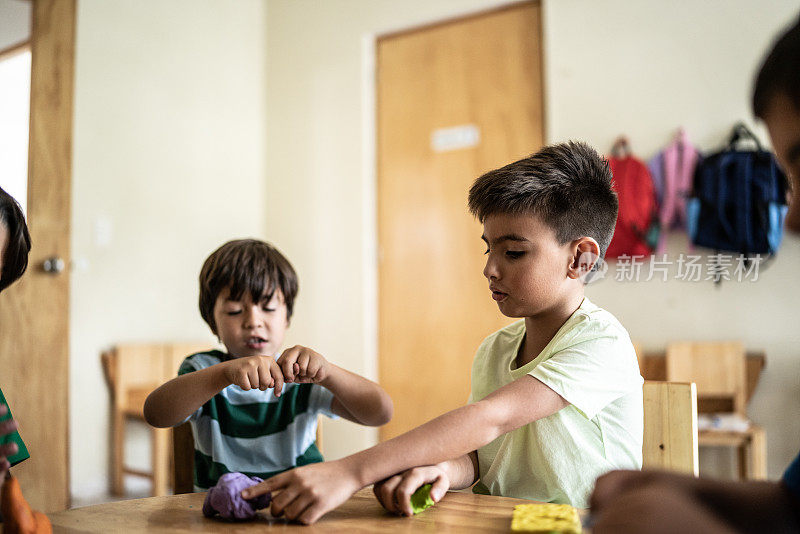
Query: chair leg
{"x": 743, "y": 457}
{"x": 758, "y": 454}
{"x": 117, "y": 453}
{"x": 160, "y": 461}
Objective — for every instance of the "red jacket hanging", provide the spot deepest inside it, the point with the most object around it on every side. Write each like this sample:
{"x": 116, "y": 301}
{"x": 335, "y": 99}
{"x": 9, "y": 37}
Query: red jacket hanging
{"x": 637, "y": 208}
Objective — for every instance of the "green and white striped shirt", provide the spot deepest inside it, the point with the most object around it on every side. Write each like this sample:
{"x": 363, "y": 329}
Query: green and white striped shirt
{"x": 253, "y": 432}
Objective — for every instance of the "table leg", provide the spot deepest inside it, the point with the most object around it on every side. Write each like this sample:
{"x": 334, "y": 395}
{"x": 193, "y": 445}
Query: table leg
{"x": 118, "y": 452}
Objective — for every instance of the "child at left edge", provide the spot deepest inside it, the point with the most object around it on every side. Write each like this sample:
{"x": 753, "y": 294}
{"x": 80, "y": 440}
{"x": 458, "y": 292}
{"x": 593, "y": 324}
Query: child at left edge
{"x": 252, "y": 408}
{"x": 15, "y": 245}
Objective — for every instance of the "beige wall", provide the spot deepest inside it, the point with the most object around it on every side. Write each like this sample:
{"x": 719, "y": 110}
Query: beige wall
{"x": 643, "y": 68}
{"x": 169, "y": 140}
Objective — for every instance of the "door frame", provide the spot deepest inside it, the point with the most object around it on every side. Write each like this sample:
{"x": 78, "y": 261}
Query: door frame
{"x": 370, "y": 253}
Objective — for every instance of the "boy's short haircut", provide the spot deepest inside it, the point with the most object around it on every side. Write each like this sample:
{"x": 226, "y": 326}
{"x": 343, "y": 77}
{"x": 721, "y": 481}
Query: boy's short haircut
{"x": 568, "y": 186}
{"x": 780, "y": 72}
{"x": 246, "y": 265}
{"x": 15, "y": 258}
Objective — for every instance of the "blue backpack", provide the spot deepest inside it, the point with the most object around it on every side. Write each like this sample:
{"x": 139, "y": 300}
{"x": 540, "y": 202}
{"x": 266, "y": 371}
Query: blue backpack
{"x": 739, "y": 199}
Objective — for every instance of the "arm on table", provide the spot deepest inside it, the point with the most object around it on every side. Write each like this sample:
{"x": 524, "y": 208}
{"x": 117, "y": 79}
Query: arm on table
{"x": 309, "y": 492}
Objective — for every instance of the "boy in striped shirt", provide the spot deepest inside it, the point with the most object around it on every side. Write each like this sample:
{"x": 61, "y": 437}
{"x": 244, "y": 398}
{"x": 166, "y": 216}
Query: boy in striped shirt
{"x": 251, "y": 410}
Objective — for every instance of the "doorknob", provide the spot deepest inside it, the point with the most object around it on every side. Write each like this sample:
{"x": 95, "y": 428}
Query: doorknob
{"x": 53, "y": 265}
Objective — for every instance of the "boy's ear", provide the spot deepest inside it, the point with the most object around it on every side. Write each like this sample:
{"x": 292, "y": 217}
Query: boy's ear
{"x": 585, "y": 253}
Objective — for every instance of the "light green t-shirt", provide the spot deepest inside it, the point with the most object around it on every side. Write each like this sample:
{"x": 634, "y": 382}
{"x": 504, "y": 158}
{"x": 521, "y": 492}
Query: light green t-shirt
{"x": 591, "y": 363}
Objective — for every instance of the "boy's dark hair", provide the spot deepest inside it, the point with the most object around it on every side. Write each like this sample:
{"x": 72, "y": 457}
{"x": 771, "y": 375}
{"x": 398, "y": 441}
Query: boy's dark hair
{"x": 780, "y": 72}
{"x": 246, "y": 265}
{"x": 568, "y": 185}
{"x": 15, "y": 258}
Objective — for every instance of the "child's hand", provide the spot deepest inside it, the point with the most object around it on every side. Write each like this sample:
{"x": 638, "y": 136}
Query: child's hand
{"x": 303, "y": 365}
{"x": 6, "y": 427}
{"x": 309, "y": 492}
{"x": 395, "y": 492}
{"x": 253, "y": 372}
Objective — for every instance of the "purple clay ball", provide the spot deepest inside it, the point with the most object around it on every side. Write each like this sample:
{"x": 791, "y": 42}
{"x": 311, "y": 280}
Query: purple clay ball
{"x": 226, "y": 499}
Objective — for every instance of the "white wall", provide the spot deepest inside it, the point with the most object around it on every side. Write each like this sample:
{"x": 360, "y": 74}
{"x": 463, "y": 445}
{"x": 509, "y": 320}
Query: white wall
{"x": 645, "y": 68}
{"x": 169, "y": 137}
{"x": 642, "y": 68}
{"x": 15, "y": 22}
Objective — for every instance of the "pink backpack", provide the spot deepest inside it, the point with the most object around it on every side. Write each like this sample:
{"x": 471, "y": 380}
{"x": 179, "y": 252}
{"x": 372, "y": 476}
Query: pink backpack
{"x": 672, "y": 170}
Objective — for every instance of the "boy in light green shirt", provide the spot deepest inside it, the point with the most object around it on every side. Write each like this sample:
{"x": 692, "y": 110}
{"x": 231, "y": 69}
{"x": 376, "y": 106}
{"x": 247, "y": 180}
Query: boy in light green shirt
{"x": 590, "y": 363}
{"x": 556, "y": 398}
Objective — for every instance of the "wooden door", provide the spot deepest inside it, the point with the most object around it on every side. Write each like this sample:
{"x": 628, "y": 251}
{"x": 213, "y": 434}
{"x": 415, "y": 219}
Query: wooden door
{"x": 34, "y": 313}
{"x": 454, "y": 100}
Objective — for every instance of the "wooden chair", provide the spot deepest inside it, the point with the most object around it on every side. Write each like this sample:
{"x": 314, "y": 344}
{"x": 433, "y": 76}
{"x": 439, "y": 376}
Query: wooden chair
{"x": 132, "y": 372}
{"x": 670, "y": 427}
{"x": 718, "y": 369}
{"x": 637, "y": 348}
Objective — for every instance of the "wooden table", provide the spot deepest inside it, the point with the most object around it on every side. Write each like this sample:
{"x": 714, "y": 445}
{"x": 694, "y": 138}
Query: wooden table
{"x": 457, "y": 512}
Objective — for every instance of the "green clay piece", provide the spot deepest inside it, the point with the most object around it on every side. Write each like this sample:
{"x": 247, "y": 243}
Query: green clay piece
{"x": 421, "y": 499}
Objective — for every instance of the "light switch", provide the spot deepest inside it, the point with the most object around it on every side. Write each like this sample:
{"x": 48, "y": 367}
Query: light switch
{"x": 103, "y": 231}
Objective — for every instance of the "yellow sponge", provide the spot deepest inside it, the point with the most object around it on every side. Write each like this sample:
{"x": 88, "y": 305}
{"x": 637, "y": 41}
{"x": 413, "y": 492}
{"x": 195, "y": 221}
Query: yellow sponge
{"x": 561, "y": 518}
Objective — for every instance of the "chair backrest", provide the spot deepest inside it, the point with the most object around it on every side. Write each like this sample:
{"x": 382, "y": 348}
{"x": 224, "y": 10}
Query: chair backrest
{"x": 132, "y": 371}
{"x": 718, "y": 369}
{"x": 637, "y": 348}
{"x": 670, "y": 427}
